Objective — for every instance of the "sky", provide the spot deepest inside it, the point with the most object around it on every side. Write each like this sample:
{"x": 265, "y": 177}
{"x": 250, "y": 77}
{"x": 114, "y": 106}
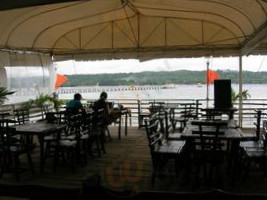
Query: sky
{"x": 250, "y": 63}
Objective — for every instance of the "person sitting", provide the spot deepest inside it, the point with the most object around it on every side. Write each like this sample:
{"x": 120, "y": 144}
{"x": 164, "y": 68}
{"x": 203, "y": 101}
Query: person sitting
{"x": 111, "y": 115}
{"x": 101, "y": 103}
{"x": 103, "y": 107}
{"x": 75, "y": 106}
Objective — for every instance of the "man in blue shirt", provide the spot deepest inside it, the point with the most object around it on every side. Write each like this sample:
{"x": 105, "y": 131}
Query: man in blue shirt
{"x": 75, "y": 104}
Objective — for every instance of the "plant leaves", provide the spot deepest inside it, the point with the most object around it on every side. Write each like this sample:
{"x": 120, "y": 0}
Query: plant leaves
{"x": 4, "y": 93}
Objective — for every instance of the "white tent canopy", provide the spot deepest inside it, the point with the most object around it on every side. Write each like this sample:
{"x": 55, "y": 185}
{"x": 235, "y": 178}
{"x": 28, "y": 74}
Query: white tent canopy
{"x": 142, "y": 29}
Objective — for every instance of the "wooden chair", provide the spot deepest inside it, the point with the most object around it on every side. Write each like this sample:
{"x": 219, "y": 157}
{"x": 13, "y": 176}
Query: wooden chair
{"x": 65, "y": 146}
{"x": 143, "y": 114}
{"x": 87, "y": 132}
{"x": 68, "y": 143}
{"x": 12, "y": 146}
{"x": 56, "y": 117}
{"x": 22, "y": 116}
{"x": 50, "y": 139}
{"x": 162, "y": 150}
{"x": 256, "y": 155}
{"x": 208, "y": 151}
{"x": 156, "y": 107}
{"x": 98, "y": 129}
{"x": 190, "y": 110}
{"x": 255, "y": 152}
{"x": 177, "y": 118}
{"x": 170, "y": 126}
{"x": 77, "y": 136}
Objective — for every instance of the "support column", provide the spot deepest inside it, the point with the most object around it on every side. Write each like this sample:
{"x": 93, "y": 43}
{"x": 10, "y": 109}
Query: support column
{"x": 3, "y": 77}
{"x": 240, "y": 117}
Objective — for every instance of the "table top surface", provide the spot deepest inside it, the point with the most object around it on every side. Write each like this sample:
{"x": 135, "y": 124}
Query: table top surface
{"x": 230, "y": 131}
{"x": 38, "y": 127}
{"x": 219, "y": 109}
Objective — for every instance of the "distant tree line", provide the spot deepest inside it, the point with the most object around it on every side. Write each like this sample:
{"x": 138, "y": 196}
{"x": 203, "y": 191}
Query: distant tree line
{"x": 161, "y": 78}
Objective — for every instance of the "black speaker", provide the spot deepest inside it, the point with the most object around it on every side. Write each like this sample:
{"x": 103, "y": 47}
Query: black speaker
{"x": 222, "y": 93}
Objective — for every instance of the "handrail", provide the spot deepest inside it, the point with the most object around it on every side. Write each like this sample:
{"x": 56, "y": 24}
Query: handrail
{"x": 137, "y": 105}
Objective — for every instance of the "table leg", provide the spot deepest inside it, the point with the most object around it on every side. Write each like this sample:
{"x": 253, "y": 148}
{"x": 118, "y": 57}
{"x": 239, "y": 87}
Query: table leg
{"x": 126, "y": 128}
{"x": 119, "y": 131}
{"x": 233, "y": 160}
{"x": 41, "y": 142}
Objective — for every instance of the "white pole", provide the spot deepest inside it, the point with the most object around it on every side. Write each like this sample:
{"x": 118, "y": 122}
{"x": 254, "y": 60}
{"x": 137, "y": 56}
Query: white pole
{"x": 240, "y": 117}
{"x": 208, "y": 63}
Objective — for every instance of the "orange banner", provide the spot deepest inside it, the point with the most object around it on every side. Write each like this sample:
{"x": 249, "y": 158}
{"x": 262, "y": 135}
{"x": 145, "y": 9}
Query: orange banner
{"x": 211, "y": 76}
{"x": 61, "y": 79}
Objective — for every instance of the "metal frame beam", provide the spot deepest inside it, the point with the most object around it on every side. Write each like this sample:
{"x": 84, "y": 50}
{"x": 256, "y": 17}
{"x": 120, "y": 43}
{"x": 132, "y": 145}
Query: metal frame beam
{"x": 255, "y": 40}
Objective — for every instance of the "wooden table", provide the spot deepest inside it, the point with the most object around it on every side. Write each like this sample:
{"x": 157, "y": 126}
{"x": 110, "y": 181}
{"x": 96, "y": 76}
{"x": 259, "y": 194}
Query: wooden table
{"x": 40, "y": 129}
{"x": 229, "y": 133}
{"x": 211, "y": 111}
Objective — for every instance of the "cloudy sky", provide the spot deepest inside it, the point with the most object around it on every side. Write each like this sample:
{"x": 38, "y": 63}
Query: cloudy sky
{"x": 251, "y": 63}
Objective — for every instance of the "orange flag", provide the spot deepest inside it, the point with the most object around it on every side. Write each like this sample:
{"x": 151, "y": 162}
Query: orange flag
{"x": 211, "y": 76}
{"x": 61, "y": 79}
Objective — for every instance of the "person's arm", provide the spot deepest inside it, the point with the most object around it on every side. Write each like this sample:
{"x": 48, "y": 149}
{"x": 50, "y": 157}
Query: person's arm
{"x": 107, "y": 108}
{"x": 80, "y": 106}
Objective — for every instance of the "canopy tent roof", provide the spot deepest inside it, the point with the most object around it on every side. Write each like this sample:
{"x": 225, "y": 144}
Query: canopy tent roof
{"x": 142, "y": 29}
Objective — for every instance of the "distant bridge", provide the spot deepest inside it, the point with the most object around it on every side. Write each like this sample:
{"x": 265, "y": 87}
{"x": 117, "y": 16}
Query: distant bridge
{"x": 93, "y": 89}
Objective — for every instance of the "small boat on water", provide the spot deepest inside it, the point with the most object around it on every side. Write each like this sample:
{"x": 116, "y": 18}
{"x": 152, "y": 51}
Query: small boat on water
{"x": 168, "y": 86}
{"x": 199, "y": 85}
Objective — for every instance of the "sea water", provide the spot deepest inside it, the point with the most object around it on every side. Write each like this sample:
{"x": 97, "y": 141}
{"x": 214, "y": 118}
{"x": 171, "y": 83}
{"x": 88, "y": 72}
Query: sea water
{"x": 194, "y": 91}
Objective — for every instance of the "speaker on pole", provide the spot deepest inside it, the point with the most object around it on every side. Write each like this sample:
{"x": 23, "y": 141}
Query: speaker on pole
{"x": 222, "y": 93}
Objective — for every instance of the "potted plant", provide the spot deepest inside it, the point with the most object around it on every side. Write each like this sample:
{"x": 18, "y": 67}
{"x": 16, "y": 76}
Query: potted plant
{"x": 57, "y": 103}
{"x": 41, "y": 101}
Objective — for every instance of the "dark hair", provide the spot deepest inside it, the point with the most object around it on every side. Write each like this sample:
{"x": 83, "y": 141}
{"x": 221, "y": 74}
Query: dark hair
{"x": 103, "y": 95}
{"x": 77, "y": 96}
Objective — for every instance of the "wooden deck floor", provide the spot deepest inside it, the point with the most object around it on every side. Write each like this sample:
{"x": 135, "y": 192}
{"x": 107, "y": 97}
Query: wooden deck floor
{"x": 127, "y": 165}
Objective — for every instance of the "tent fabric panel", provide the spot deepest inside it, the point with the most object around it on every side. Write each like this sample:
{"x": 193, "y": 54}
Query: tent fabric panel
{"x": 194, "y": 10}
{"x": 214, "y": 34}
{"x": 152, "y": 31}
{"x": 135, "y": 26}
{"x": 180, "y": 29}
{"x": 125, "y": 33}
{"x": 56, "y": 31}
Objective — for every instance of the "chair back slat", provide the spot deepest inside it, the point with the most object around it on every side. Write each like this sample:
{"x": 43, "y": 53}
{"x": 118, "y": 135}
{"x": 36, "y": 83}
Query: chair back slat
{"x": 22, "y": 115}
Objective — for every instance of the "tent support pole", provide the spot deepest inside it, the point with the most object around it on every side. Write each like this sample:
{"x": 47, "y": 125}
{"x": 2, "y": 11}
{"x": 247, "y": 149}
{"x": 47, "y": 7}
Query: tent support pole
{"x": 207, "y": 77}
{"x": 240, "y": 117}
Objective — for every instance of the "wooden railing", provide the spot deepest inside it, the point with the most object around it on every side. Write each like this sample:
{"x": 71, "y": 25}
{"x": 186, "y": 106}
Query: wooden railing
{"x": 248, "y": 112}
{"x": 36, "y": 113}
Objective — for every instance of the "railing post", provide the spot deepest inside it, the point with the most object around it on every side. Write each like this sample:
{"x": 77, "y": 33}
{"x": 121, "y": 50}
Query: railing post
{"x": 258, "y": 125}
{"x": 139, "y": 112}
{"x": 197, "y": 104}
{"x": 13, "y": 110}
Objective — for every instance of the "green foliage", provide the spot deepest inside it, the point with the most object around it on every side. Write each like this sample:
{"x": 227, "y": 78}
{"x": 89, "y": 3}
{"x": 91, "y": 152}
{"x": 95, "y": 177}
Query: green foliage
{"x": 28, "y": 104}
{"x": 42, "y": 99}
{"x": 56, "y": 102}
{"x": 236, "y": 96}
{"x": 4, "y": 93}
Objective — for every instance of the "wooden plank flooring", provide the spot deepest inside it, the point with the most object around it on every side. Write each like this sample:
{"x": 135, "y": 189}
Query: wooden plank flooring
{"x": 127, "y": 165}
